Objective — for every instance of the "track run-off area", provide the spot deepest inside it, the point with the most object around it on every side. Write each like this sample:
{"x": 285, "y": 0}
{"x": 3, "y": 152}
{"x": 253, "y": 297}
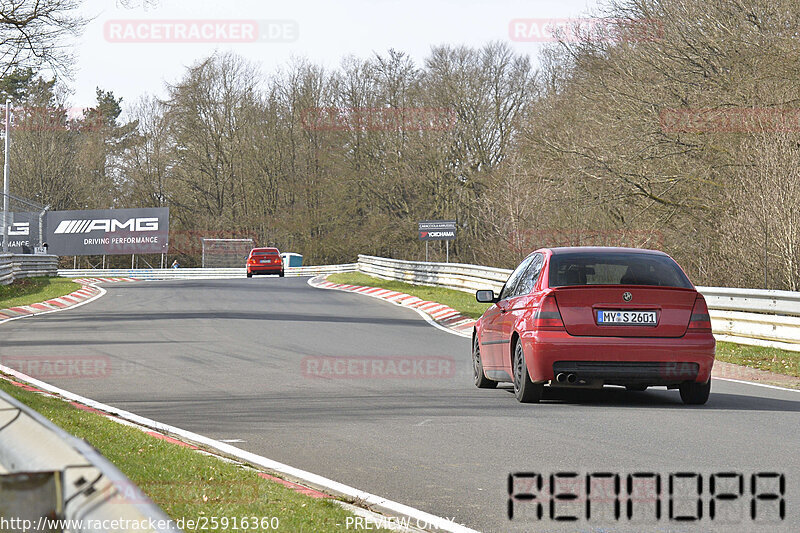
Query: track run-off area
{"x": 370, "y": 395}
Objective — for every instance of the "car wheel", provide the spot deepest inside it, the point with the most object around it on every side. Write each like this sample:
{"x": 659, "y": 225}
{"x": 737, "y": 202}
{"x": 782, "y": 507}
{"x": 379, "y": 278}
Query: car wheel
{"x": 525, "y": 390}
{"x": 481, "y": 381}
{"x": 636, "y": 388}
{"x": 695, "y": 393}
{"x": 281, "y": 274}
{"x": 249, "y": 274}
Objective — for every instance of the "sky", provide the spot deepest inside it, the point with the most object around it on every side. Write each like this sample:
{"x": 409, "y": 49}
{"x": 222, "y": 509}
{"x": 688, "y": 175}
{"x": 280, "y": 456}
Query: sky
{"x": 133, "y": 47}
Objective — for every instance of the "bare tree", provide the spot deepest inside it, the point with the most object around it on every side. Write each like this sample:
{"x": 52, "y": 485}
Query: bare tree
{"x": 762, "y": 228}
{"x": 36, "y": 33}
{"x": 577, "y": 152}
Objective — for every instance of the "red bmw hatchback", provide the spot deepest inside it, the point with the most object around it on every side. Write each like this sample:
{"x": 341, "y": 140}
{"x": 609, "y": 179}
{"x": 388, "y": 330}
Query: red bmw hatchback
{"x": 589, "y": 317}
{"x": 264, "y": 261}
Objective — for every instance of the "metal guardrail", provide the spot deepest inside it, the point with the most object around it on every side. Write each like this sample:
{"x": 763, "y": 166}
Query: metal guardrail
{"x": 6, "y": 269}
{"x": 18, "y": 266}
{"x": 753, "y": 316}
{"x": 154, "y": 273}
{"x": 459, "y": 276}
{"x": 46, "y": 472}
{"x": 317, "y": 270}
{"x": 747, "y": 316}
{"x": 197, "y": 273}
{"x": 753, "y": 300}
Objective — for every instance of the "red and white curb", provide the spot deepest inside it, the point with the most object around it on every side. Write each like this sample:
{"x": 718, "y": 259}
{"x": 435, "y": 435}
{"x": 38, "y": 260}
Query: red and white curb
{"x": 438, "y": 315}
{"x": 86, "y": 281}
{"x": 87, "y": 293}
{"x": 396, "y": 516}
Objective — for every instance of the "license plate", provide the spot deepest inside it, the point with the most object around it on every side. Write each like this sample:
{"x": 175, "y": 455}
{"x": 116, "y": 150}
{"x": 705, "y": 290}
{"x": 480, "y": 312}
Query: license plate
{"x": 264, "y": 261}
{"x": 607, "y": 317}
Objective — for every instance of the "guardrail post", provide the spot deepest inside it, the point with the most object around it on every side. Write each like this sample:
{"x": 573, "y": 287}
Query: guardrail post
{"x": 74, "y": 482}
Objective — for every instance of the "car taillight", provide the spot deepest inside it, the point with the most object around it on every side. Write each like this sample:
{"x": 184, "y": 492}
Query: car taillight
{"x": 700, "y": 321}
{"x": 548, "y": 316}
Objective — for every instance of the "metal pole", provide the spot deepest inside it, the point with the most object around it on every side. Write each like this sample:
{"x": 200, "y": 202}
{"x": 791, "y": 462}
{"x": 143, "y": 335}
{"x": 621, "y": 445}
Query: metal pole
{"x": 447, "y": 251}
{"x": 426, "y": 251}
{"x": 132, "y": 258}
{"x": 6, "y": 184}
{"x": 41, "y": 224}
{"x": 766, "y": 236}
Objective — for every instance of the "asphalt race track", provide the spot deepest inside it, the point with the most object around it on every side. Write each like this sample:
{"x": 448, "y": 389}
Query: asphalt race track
{"x": 246, "y": 359}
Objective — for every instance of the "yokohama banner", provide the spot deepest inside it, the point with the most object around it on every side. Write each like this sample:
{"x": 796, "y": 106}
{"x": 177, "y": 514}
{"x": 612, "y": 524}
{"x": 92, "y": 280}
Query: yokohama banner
{"x": 437, "y": 230}
{"x": 108, "y": 231}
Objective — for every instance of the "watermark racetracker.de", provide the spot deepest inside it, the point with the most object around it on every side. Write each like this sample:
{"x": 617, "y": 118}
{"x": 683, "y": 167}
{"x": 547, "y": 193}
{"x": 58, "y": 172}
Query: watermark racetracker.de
{"x": 729, "y": 120}
{"x": 190, "y": 242}
{"x": 49, "y": 367}
{"x": 375, "y": 367}
{"x": 46, "y": 367}
{"x": 549, "y": 30}
{"x": 528, "y": 240}
{"x": 201, "y": 31}
{"x": 54, "y": 118}
{"x": 378, "y": 119}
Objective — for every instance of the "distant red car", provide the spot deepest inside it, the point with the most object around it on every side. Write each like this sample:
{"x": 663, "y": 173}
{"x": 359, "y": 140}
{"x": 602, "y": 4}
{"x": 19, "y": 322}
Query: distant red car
{"x": 592, "y": 316}
{"x": 264, "y": 261}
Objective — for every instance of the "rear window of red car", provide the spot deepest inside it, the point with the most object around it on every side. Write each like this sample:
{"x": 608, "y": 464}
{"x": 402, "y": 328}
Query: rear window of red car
{"x": 262, "y": 253}
{"x": 618, "y": 268}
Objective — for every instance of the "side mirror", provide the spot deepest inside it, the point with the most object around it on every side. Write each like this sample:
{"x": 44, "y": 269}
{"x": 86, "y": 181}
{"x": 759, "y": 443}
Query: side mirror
{"x": 486, "y": 297}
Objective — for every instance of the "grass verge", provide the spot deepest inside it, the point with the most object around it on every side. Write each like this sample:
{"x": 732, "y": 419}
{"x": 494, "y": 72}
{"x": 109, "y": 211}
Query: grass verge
{"x": 185, "y": 483}
{"x": 458, "y": 300}
{"x": 763, "y": 358}
{"x": 33, "y": 290}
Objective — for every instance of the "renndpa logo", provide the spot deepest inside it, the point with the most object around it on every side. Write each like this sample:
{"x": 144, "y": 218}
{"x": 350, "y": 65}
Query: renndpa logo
{"x": 107, "y": 225}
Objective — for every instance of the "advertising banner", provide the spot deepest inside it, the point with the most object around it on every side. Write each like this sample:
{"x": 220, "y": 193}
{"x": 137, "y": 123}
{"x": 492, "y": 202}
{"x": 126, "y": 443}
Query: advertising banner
{"x": 23, "y": 232}
{"x": 437, "y": 230}
{"x": 108, "y": 231}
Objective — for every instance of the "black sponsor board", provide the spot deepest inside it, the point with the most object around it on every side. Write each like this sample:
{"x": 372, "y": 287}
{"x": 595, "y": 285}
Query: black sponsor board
{"x": 108, "y": 231}
{"x": 437, "y": 230}
{"x": 23, "y": 232}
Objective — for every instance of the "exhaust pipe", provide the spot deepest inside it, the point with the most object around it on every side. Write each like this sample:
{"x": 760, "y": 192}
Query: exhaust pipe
{"x": 561, "y": 377}
{"x": 572, "y": 378}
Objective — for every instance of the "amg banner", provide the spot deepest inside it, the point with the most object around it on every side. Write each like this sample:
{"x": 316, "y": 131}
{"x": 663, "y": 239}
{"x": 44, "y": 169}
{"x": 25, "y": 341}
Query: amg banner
{"x": 108, "y": 231}
{"x": 23, "y": 232}
{"x": 437, "y": 230}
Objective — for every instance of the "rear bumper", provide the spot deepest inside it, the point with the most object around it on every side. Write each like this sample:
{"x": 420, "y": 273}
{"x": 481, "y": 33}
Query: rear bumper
{"x": 265, "y": 269}
{"x": 620, "y": 360}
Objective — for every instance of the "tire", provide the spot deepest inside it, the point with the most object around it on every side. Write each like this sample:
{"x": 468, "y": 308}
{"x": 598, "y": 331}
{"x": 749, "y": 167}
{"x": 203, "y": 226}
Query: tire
{"x": 481, "y": 381}
{"x": 636, "y": 388}
{"x": 525, "y": 390}
{"x": 281, "y": 274}
{"x": 249, "y": 274}
{"x": 695, "y": 393}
